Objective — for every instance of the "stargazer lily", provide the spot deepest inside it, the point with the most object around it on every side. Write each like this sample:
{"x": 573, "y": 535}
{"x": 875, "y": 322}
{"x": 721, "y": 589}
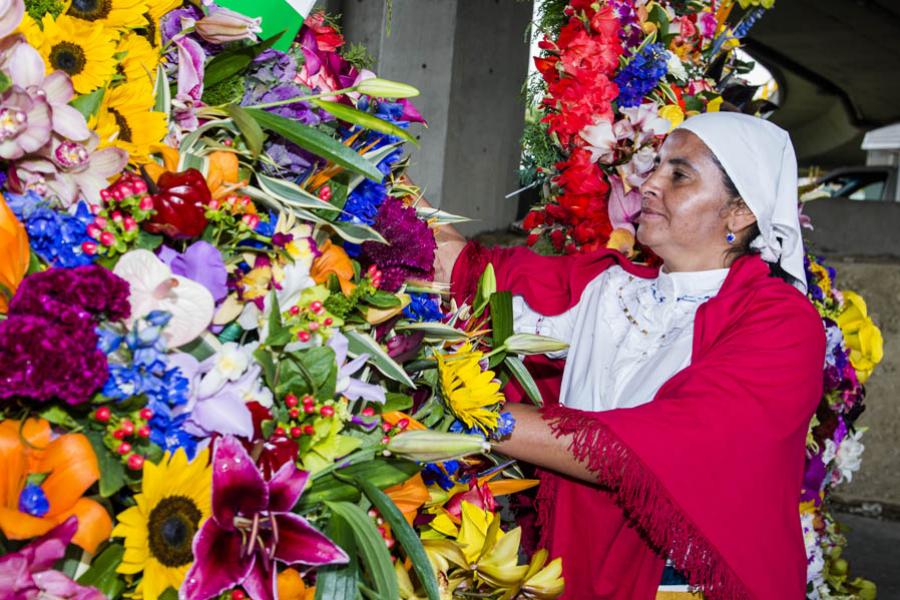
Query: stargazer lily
{"x": 251, "y": 528}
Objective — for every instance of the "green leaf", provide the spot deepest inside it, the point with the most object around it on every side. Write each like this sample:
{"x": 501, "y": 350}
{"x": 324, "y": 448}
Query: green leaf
{"x": 381, "y": 299}
{"x": 434, "y": 330}
{"x": 250, "y": 129}
{"x": 404, "y": 534}
{"x": 441, "y": 217}
{"x": 371, "y": 548}
{"x": 320, "y": 144}
{"x": 292, "y": 194}
{"x": 89, "y": 104}
{"x": 487, "y": 285}
{"x": 234, "y": 60}
{"x": 523, "y": 376}
{"x": 103, "y": 565}
{"x": 360, "y": 343}
{"x": 112, "y": 473}
{"x": 57, "y": 415}
{"x": 382, "y": 473}
{"x": 148, "y": 241}
{"x": 264, "y": 358}
{"x": 279, "y": 335}
{"x": 395, "y": 401}
{"x": 363, "y": 119}
{"x": 162, "y": 93}
{"x": 501, "y": 317}
{"x": 169, "y": 594}
{"x": 338, "y": 582}
{"x": 5, "y": 82}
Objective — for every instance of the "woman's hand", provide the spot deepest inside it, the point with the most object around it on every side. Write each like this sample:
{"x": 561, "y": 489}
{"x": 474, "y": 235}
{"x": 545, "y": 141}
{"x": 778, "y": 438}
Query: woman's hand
{"x": 533, "y": 441}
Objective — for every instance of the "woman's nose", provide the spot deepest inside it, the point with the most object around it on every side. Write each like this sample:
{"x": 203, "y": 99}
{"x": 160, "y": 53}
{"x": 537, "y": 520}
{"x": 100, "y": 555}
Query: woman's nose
{"x": 650, "y": 187}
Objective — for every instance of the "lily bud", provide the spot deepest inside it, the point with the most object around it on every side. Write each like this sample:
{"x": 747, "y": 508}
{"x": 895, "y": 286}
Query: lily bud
{"x": 435, "y": 446}
{"x": 385, "y": 88}
{"x": 529, "y": 343}
{"x": 222, "y": 25}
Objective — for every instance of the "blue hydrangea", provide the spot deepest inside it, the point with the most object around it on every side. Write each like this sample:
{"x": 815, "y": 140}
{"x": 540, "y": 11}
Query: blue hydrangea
{"x": 641, "y": 75}
{"x": 423, "y": 307}
{"x": 55, "y": 236}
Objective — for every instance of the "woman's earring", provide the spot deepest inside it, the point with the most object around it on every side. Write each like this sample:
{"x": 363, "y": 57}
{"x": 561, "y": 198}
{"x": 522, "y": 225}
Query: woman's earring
{"x": 730, "y": 237}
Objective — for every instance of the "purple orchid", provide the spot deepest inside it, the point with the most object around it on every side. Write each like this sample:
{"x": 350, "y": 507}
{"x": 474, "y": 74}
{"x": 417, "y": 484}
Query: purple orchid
{"x": 203, "y": 263}
{"x": 251, "y": 527}
{"x": 354, "y": 389}
{"x": 26, "y": 70}
{"x": 29, "y": 572}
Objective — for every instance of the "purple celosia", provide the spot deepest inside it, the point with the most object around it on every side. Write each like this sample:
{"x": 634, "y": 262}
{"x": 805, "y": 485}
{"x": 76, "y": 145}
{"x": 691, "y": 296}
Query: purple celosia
{"x": 251, "y": 528}
{"x": 91, "y": 290}
{"x": 409, "y": 252}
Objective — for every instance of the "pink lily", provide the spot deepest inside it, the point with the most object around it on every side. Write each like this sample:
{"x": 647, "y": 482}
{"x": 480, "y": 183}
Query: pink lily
{"x": 72, "y": 170}
{"x": 251, "y": 527}
{"x": 26, "y": 70}
{"x": 191, "y": 57}
{"x": 29, "y": 572}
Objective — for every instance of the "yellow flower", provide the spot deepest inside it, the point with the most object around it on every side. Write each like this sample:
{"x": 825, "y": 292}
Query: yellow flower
{"x": 673, "y": 114}
{"x": 125, "y": 120}
{"x": 822, "y": 278}
{"x": 715, "y": 105}
{"x": 155, "y": 11}
{"x": 159, "y": 530}
{"x": 83, "y": 50}
{"x": 861, "y": 335}
{"x": 468, "y": 390}
{"x": 140, "y": 59}
{"x": 543, "y": 581}
{"x": 114, "y": 14}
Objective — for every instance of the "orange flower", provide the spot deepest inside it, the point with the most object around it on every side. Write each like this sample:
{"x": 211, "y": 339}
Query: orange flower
{"x": 409, "y": 496}
{"x": 222, "y": 175}
{"x": 333, "y": 260}
{"x": 70, "y": 466}
{"x": 15, "y": 252}
{"x": 291, "y": 586}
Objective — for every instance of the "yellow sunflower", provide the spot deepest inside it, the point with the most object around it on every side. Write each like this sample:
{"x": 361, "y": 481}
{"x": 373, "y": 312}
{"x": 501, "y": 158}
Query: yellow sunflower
{"x": 126, "y": 120}
{"x": 155, "y": 11}
{"x": 139, "y": 58}
{"x": 173, "y": 504}
{"x": 115, "y": 14}
{"x": 81, "y": 49}
{"x": 467, "y": 389}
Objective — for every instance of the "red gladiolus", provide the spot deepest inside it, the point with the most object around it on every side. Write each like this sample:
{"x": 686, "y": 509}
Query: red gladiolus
{"x": 180, "y": 204}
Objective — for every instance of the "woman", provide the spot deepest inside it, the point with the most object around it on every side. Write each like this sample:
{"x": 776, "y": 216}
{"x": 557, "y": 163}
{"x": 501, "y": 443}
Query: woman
{"x": 676, "y": 427}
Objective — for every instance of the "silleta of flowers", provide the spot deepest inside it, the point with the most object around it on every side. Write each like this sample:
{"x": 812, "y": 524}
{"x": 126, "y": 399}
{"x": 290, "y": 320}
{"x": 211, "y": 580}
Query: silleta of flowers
{"x": 224, "y": 368}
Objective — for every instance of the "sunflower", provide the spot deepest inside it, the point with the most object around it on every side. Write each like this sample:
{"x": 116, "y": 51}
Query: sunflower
{"x": 155, "y": 11}
{"x": 115, "y": 14}
{"x": 159, "y": 530}
{"x": 467, "y": 389}
{"x": 140, "y": 58}
{"x": 83, "y": 50}
{"x": 126, "y": 120}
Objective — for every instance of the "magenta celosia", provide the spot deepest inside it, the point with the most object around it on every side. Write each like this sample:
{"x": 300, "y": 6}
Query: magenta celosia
{"x": 409, "y": 252}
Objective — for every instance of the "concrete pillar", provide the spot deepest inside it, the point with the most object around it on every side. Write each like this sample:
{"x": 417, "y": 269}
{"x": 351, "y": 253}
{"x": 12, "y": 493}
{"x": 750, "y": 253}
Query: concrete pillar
{"x": 469, "y": 58}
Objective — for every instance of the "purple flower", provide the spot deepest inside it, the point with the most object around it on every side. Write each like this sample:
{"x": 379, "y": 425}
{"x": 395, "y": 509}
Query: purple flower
{"x": 29, "y": 572}
{"x": 409, "y": 252}
{"x": 354, "y": 389}
{"x": 202, "y": 262}
{"x": 90, "y": 291}
{"x": 251, "y": 527}
{"x": 191, "y": 57}
{"x": 273, "y": 91}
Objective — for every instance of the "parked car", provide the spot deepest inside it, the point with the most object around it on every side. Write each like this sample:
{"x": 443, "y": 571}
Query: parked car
{"x": 860, "y": 183}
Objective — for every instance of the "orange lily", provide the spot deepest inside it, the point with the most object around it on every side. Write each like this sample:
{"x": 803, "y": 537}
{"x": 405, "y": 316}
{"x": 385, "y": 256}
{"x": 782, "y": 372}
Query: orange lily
{"x": 409, "y": 496}
{"x": 71, "y": 468}
{"x": 333, "y": 260}
{"x": 15, "y": 252}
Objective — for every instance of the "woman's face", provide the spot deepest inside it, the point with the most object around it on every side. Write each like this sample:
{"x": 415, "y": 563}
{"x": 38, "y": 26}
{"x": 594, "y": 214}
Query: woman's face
{"x": 684, "y": 218}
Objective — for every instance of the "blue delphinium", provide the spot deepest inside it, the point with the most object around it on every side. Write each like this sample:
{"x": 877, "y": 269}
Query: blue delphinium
{"x": 505, "y": 425}
{"x": 423, "y": 307}
{"x": 55, "y": 236}
{"x": 440, "y": 473}
{"x": 641, "y": 75}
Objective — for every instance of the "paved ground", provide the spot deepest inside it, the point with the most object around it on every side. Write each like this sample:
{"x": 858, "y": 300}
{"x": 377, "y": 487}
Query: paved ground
{"x": 873, "y": 550}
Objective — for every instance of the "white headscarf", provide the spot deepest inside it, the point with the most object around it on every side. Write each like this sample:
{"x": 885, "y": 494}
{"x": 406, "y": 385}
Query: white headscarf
{"x": 760, "y": 159}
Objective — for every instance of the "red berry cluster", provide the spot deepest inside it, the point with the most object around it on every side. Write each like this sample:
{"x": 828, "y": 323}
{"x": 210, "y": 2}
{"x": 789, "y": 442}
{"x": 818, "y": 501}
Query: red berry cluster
{"x": 122, "y": 433}
{"x": 383, "y": 528}
{"x": 394, "y": 429}
{"x": 312, "y": 319}
{"x": 126, "y": 203}
{"x": 374, "y": 276}
{"x": 302, "y": 413}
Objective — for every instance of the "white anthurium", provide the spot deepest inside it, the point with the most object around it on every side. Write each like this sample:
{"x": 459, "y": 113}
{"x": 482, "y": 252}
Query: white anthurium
{"x": 154, "y": 287}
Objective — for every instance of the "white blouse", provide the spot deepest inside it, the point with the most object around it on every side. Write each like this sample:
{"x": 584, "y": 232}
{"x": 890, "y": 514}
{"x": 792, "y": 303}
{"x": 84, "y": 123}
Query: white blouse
{"x": 627, "y": 336}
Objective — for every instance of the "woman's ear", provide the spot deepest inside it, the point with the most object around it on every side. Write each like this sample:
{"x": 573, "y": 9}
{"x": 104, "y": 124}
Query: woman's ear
{"x": 740, "y": 217}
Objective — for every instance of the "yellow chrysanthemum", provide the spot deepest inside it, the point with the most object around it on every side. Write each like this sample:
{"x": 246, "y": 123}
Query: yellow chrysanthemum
{"x": 83, "y": 50}
{"x": 126, "y": 120}
{"x": 173, "y": 504}
{"x": 467, "y": 389}
{"x": 139, "y": 59}
{"x": 115, "y": 14}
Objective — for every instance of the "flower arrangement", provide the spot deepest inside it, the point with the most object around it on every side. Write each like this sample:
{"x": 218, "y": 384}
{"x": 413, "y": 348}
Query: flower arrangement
{"x": 226, "y": 372}
{"x": 614, "y": 77}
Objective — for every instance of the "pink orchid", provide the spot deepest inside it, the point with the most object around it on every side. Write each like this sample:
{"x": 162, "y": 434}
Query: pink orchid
{"x": 72, "y": 170}
{"x": 29, "y": 572}
{"x": 641, "y": 124}
{"x": 251, "y": 528}
{"x": 11, "y": 13}
{"x": 624, "y": 207}
{"x": 600, "y": 140}
{"x": 25, "y": 123}
{"x": 26, "y": 70}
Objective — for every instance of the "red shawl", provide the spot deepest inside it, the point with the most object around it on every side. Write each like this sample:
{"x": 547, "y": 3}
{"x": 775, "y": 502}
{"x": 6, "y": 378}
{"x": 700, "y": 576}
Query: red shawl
{"x": 709, "y": 472}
